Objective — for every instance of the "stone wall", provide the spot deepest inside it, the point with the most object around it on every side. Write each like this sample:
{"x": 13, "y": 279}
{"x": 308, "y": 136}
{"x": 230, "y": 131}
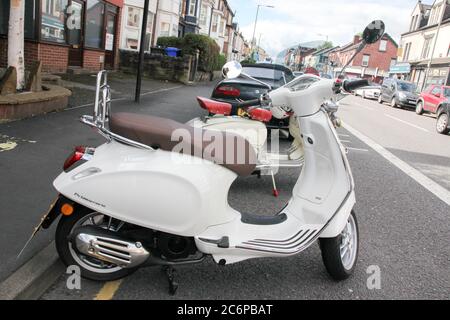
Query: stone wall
{"x": 157, "y": 66}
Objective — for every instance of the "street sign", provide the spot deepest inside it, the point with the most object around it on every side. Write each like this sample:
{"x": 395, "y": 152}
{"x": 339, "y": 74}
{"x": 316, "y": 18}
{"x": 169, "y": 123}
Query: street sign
{"x": 401, "y": 68}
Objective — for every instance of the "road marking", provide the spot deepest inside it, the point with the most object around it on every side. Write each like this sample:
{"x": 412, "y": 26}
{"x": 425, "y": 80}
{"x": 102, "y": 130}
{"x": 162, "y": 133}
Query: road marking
{"x": 366, "y": 107}
{"x": 405, "y": 122}
{"x": 419, "y": 177}
{"x": 346, "y": 141}
{"x": 122, "y": 99}
{"x": 108, "y": 291}
{"x": 344, "y": 135}
{"x": 357, "y": 149}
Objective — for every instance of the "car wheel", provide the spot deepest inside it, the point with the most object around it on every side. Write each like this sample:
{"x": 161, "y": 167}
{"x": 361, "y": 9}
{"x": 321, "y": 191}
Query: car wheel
{"x": 442, "y": 123}
{"x": 380, "y": 101}
{"x": 393, "y": 103}
{"x": 419, "y": 108}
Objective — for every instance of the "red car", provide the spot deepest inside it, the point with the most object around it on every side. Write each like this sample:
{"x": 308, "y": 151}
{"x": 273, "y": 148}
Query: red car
{"x": 431, "y": 99}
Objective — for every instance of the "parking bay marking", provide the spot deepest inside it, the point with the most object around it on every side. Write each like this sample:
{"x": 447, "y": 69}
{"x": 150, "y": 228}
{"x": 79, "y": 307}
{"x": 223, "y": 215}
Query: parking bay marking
{"x": 108, "y": 290}
{"x": 416, "y": 175}
{"x": 406, "y": 122}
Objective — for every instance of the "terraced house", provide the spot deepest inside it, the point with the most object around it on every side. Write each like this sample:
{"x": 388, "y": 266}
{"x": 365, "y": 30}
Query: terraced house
{"x": 426, "y": 45}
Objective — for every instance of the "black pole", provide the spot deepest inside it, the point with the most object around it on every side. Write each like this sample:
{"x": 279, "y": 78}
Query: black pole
{"x": 141, "y": 52}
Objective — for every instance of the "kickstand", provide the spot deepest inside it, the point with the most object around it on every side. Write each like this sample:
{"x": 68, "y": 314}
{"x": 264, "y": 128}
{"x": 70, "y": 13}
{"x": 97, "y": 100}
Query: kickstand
{"x": 275, "y": 190}
{"x": 173, "y": 285}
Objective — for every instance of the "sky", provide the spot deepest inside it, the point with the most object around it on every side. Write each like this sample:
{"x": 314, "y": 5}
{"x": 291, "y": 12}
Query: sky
{"x": 295, "y": 21}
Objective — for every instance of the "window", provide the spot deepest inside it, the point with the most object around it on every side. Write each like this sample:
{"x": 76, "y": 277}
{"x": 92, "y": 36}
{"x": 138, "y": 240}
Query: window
{"x": 215, "y": 23}
{"x": 365, "y": 60}
{"x": 30, "y": 19}
{"x": 426, "y": 47}
{"x": 222, "y": 27}
{"x": 203, "y": 14}
{"x": 383, "y": 45}
{"x": 4, "y": 17}
{"x": 134, "y": 17}
{"x": 407, "y": 51}
{"x": 192, "y": 8}
{"x": 393, "y": 62}
{"x": 148, "y": 34}
{"x": 94, "y": 24}
{"x": 165, "y": 29}
{"x": 53, "y": 20}
{"x": 436, "y": 91}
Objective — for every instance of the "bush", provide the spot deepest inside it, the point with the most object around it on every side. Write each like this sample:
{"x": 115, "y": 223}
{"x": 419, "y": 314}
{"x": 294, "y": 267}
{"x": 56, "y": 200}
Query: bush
{"x": 210, "y": 58}
{"x": 170, "y": 42}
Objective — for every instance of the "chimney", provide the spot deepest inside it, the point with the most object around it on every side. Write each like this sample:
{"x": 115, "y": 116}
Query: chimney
{"x": 356, "y": 39}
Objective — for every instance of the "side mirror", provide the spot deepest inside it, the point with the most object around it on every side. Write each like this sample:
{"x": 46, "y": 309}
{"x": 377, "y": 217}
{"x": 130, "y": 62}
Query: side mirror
{"x": 374, "y": 31}
{"x": 232, "y": 70}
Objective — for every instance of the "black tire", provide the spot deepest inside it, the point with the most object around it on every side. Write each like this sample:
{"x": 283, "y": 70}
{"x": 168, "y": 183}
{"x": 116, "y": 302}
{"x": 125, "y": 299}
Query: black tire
{"x": 419, "y": 108}
{"x": 393, "y": 103}
{"x": 380, "y": 100}
{"x": 331, "y": 255}
{"x": 62, "y": 242}
{"x": 442, "y": 128}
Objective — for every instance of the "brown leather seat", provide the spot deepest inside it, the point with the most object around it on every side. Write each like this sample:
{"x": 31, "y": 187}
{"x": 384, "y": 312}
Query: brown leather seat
{"x": 235, "y": 153}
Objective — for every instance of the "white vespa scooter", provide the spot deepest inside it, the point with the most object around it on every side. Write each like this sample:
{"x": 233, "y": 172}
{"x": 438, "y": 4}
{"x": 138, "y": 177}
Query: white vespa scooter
{"x": 135, "y": 202}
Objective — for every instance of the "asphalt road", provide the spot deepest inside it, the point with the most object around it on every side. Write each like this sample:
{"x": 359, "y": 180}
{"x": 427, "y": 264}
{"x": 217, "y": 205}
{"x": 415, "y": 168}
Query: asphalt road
{"x": 404, "y": 227}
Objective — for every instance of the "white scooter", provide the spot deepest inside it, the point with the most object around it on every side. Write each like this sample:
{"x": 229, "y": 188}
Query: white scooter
{"x": 137, "y": 201}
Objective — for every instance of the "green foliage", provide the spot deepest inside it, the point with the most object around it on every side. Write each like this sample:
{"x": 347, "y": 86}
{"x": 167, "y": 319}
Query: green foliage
{"x": 209, "y": 51}
{"x": 221, "y": 61}
{"x": 248, "y": 60}
{"x": 326, "y": 45}
{"x": 170, "y": 42}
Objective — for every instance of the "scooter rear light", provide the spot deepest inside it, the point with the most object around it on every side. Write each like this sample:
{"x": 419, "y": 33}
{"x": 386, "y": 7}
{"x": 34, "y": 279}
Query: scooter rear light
{"x": 228, "y": 91}
{"x": 78, "y": 154}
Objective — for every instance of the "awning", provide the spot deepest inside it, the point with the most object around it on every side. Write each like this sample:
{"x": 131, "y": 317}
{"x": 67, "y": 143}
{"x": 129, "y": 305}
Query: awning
{"x": 400, "y": 68}
{"x": 436, "y": 62}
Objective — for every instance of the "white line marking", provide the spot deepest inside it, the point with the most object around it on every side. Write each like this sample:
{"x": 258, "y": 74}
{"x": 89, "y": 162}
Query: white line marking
{"x": 122, "y": 99}
{"x": 344, "y": 135}
{"x": 357, "y": 149}
{"x": 346, "y": 141}
{"x": 405, "y": 122}
{"x": 366, "y": 107}
{"x": 419, "y": 177}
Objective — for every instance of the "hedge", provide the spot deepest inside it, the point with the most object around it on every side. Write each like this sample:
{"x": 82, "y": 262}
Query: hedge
{"x": 210, "y": 58}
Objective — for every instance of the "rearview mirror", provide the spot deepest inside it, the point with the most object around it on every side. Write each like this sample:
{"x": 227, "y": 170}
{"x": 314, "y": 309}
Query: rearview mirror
{"x": 374, "y": 31}
{"x": 232, "y": 70}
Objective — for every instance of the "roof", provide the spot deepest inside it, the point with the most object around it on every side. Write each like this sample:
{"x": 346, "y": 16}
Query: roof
{"x": 352, "y": 46}
{"x": 324, "y": 50}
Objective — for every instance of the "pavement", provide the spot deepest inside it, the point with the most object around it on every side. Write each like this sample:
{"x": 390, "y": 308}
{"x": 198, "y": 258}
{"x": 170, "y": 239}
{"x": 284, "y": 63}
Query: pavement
{"x": 404, "y": 226}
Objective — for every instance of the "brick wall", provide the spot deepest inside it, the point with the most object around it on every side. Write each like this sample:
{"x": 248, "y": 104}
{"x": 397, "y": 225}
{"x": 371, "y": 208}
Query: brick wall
{"x": 3, "y": 53}
{"x": 91, "y": 60}
{"x": 54, "y": 58}
{"x": 378, "y": 59}
{"x": 117, "y": 39}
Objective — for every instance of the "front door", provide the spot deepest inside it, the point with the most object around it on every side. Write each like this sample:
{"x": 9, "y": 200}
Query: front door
{"x": 110, "y": 40}
{"x": 75, "y": 32}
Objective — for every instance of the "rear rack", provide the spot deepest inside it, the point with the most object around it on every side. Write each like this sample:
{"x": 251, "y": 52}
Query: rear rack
{"x": 102, "y": 112}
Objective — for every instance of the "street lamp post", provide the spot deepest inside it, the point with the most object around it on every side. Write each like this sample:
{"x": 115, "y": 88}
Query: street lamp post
{"x": 256, "y": 21}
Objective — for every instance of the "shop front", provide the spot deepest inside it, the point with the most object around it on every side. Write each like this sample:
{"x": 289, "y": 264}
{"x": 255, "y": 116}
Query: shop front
{"x": 65, "y": 34}
{"x": 437, "y": 74}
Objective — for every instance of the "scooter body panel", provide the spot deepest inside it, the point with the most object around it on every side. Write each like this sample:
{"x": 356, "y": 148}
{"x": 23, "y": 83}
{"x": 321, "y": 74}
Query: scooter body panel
{"x": 159, "y": 190}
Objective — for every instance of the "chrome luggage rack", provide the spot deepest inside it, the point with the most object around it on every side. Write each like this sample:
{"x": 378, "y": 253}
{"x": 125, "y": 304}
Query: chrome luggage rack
{"x": 102, "y": 112}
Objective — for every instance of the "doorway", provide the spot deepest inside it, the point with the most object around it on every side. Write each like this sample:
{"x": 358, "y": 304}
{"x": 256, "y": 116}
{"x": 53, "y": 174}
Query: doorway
{"x": 110, "y": 43}
{"x": 75, "y": 32}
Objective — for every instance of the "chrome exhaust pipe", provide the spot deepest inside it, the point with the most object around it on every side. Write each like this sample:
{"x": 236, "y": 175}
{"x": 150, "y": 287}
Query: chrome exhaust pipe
{"x": 107, "y": 246}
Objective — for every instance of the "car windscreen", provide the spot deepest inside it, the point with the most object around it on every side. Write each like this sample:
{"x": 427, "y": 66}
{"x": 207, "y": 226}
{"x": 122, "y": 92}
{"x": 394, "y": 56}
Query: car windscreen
{"x": 406, "y": 86}
{"x": 275, "y": 78}
{"x": 447, "y": 92}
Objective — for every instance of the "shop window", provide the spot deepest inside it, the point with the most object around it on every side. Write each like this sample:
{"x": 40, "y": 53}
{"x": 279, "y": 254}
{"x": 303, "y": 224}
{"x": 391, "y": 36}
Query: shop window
{"x": 94, "y": 24}
{"x": 53, "y": 20}
{"x": 4, "y": 17}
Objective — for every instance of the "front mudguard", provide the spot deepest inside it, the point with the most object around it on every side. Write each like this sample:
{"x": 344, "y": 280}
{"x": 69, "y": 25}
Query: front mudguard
{"x": 338, "y": 222}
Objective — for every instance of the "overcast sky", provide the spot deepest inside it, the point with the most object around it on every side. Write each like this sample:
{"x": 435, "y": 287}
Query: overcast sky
{"x": 295, "y": 21}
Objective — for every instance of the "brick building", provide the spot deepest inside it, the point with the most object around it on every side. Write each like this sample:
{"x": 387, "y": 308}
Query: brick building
{"x": 373, "y": 62}
{"x": 67, "y": 34}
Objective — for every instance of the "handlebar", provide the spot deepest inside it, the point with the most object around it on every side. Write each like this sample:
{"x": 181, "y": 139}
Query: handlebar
{"x": 349, "y": 86}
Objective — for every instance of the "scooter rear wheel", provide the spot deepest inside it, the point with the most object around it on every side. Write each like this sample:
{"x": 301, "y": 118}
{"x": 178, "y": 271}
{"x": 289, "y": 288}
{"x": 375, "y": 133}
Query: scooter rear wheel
{"x": 90, "y": 267}
{"x": 340, "y": 254}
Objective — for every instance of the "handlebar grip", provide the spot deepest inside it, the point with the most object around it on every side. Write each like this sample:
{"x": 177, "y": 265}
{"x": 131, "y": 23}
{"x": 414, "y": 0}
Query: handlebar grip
{"x": 249, "y": 103}
{"x": 355, "y": 84}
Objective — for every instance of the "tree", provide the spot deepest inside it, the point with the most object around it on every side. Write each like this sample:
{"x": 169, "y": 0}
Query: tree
{"x": 16, "y": 40}
{"x": 326, "y": 45}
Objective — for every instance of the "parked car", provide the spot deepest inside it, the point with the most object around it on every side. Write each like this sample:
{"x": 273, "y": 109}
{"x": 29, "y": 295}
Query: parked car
{"x": 233, "y": 90}
{"x": 369, "y": 92}
{"x": 443, "y": 116}
{"x": 398, "y": 93}
{"x": 432, "y": 98}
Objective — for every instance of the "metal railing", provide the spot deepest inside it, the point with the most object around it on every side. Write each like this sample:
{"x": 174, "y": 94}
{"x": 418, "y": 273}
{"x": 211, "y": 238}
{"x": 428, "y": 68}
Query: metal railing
{"x": 102, "y": 111}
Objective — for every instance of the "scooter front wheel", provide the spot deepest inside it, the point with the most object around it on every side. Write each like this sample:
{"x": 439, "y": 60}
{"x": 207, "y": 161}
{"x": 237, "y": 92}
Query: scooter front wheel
{"x": 90, "y": 267}
{"x": 340, "y": 254}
